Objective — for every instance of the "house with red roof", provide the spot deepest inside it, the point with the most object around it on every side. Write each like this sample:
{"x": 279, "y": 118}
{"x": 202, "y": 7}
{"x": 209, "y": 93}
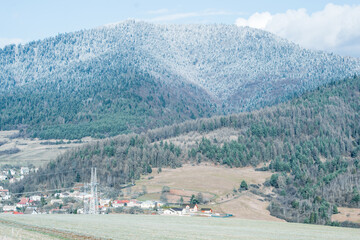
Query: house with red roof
{"x": 4, "y": 194}
{"x": 120, "y": 203}
{"x": 190, "y": 207}
{"x": 24, "y": 202}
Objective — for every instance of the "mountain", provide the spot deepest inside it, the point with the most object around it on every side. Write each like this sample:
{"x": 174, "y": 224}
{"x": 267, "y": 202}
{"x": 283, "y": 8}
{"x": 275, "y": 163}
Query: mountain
{"x": 311, "y": 143}
{"x": 133, "y": 76}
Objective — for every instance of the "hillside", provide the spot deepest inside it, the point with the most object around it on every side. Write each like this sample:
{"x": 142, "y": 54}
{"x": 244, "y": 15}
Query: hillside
{"x": 132, "y": 76}
{"x": 311, "y": 143}
{"x": 217, "y": 186}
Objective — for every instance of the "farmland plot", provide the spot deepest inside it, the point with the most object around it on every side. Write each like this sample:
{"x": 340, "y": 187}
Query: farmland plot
{"x": 169, "y": 227}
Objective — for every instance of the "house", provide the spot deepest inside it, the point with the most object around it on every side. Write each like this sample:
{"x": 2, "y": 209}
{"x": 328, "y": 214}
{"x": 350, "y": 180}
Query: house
{"x": 24, "y": 170}
{"x": 120, "y": 203}
{"x": 190, "y": 207}
{"x": 102, "y": 209}
{"x": 30, "y": 210}
{"x": 24, "y": 202}
{"x": 147, "y": 204}
{"x": 13, "y": 180}
{"x": 173, "y": 211}
{"x": 59, "y": 201}
{"x": 134, "y": 203}
{"x": 104, "y": 202}
{"x": 35, "y": 198}
{"x": 64, "y": 195}
{"x": 3, "y": 177}
{"x": 159, "y": 204}
{"x": 4, "y": 192}
{"x": 206, "y": 210}
{"x": 9, "y": 208}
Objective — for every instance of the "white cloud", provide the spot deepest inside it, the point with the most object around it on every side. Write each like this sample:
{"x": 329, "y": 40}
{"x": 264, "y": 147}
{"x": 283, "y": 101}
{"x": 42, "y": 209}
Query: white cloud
{"x": 8, "y": 41}
{"x": 257, "y": 20}
{"x": 335, "y": 28}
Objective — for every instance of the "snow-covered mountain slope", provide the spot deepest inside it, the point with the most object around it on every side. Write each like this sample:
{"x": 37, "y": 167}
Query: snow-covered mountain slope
{"x": 236, "y": 68}
{"x": 223, "y": 59}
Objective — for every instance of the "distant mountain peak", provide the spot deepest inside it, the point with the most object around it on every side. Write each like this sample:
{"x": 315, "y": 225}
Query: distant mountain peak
{"x": 236, "y": 68}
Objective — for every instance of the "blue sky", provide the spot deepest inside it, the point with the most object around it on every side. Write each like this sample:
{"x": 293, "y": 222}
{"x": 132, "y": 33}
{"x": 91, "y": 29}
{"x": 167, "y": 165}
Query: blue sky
{"x": 22, "y": 21}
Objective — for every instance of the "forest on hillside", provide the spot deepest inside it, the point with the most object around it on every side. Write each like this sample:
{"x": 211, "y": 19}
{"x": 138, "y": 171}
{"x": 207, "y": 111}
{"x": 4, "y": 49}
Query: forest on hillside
{"x": 109, "y": 102}
{"x": 311, "y": 143}
{"x": 134, "y": 76}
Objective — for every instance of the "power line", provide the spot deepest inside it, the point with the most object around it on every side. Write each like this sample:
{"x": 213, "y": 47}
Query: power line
{"x": 50, "y": 190}
{"x": 74, "y": 170}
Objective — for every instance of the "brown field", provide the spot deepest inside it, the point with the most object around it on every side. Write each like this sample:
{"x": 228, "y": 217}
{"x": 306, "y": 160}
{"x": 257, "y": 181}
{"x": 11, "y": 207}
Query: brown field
{"x": 216, "y": 183}
{"x": 206, "y": 177}
{"x": 347, "y": 214}
{"x": 31, "y": 151}
{"x": 247, "y": 206}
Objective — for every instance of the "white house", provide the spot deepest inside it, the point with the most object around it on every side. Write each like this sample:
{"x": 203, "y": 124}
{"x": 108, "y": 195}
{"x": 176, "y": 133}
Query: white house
{"x": 9, "y": 208}
{"x": 35, "y": 198}
{"x": 60, "y": 201}
{"x": 191, "y": 208}
{"x": 174, "y": 211}
{"x": 134, "y": 203}
{"x": 64, "y": 195}
{"x": 24, "y": 170}
{"x": 104, "y": 202}
{"x": 169, "y": 212}
{"x": 147, "y": 204}
{"x": 3, "y": 177}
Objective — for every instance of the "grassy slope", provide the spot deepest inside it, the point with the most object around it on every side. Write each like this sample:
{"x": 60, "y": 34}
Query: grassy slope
{"x": 347, "y": 214}
{"x": 215, "y": 183}
{"x": 167, "y": 227}
{"x": 31, "y": 150}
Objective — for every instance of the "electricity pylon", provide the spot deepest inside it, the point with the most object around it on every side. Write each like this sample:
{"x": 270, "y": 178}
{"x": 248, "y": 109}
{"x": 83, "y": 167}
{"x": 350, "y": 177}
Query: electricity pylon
{"x": 94, "y": 198}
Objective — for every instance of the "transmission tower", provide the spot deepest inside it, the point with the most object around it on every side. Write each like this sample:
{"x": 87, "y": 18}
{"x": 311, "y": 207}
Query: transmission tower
{"x": 94, "y": 198}
{"x": 86, "y": 199}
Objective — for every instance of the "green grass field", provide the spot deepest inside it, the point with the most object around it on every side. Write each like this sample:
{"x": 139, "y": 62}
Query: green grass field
{"x": 170, "y": 227}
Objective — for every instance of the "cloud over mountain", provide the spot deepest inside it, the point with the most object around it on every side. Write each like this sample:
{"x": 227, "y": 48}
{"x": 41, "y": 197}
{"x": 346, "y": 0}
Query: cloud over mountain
{"x": 335, "y": 28}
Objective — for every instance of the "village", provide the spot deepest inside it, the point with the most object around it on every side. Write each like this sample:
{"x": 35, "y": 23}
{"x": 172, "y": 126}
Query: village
{"x": 74, "y": 202}
{"x": 78, "y": 200}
